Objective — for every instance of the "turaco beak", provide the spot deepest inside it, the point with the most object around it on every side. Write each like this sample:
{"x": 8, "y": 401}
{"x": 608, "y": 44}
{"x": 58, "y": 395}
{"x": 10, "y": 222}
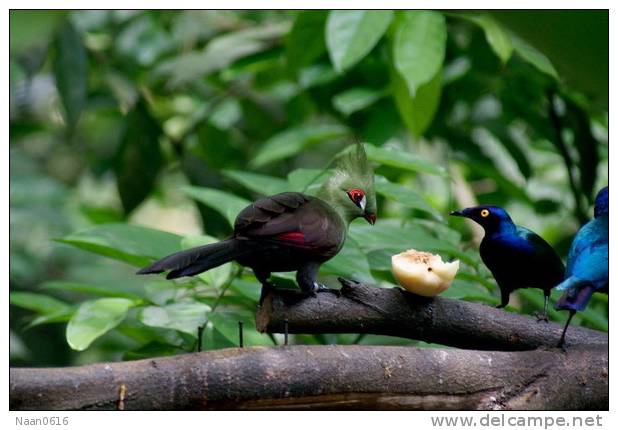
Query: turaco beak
{"x": 457, "y": 213}
{"x": 371, "y": 218}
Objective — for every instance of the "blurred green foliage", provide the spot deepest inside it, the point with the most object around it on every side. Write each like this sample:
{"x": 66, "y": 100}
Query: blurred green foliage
{"x": 135, "y": 134}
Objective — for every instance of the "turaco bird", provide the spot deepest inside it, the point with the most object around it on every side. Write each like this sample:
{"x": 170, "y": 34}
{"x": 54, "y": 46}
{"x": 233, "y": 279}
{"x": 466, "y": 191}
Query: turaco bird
{"x": 516, "y": 256}
{"x": 587, "y": 269}
{"x": 288, "y": 231}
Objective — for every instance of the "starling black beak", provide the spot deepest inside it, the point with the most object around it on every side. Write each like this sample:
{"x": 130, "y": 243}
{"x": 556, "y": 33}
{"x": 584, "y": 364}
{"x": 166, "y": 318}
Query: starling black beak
{"x": 371, "y": 218}
{"x": 457, "y": 213}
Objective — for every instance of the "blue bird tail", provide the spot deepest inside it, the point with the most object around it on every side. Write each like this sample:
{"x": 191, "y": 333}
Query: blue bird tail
{"x": 577, "y": 295}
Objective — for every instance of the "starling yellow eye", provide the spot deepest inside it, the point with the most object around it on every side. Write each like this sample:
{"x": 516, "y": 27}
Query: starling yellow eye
{"x": 484, "y": 213}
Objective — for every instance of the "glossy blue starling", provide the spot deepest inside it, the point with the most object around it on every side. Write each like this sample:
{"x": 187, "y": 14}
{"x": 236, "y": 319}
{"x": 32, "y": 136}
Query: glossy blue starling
{"x": 587, "y": 268}
{"x": 516, "y": 256}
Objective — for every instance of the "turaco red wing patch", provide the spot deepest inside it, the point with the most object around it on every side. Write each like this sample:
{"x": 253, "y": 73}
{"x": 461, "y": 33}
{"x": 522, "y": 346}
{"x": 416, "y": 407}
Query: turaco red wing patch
{"x": 296, "y": 237}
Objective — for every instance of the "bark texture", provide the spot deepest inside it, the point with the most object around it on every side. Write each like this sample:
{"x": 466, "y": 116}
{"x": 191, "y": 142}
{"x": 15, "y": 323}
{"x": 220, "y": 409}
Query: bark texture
{"x": 327, "y": 377}
{"x": 508, "y": 361}
{"x": 359, "y": 308}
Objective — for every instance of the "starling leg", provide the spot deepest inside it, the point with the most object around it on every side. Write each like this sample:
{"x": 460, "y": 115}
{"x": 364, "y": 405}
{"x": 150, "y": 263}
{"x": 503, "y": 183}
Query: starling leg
{"x": 543, "y": 316}
{"x": 562, "y": 338}
{"x": 504, "y": 298}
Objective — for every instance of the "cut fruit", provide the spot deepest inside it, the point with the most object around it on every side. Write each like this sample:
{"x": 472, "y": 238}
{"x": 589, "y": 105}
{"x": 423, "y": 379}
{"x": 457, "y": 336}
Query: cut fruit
{"x": 423, "y": 273}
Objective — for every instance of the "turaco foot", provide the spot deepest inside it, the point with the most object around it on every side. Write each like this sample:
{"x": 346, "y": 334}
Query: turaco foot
{"x": 321, "y": 288}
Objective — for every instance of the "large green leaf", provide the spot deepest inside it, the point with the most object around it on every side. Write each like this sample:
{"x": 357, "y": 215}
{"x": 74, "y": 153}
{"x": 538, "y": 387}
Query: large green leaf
{"x": 129, "y": 243}
{"x": 419, "y": 46}
{"x": 247, "y": 288}
{"x": 403, "y": 160}
{"x": 261, "y": 184}
{"x": 471, "y": 291}
{"x": 305, "y": 41}
{"x": 226, "y": 204}
{"x": 534, "y": 57}
{"x": 356, "y": 99}
{"x": 316, "y": 75}
{"x": 351, "y": 34}
{"x": 140, "y": 158}
{"x": 417, "y": 111}
{"x": 217, "y": 276}
{"x": 71, "y": 72}
{"x": 32, "y": 28}
{"x": 307, "y": 180}
{"x": 152, "y": 349}
{"x": 350, "y": 263}
{"x": 292, "y": 141}
{"x": 220, "y": 52}
{"x": 143, "y": 41}
{"x": 95, "y": 318}
{"x": 390, "y": 234}
{"x": 497, "y": 37}
{"x": 403, "y": 195}
{"x": 39, "y": 303}
{"x": 226, "y": 323}
{"x": 97, "y": 290}
{"x": 185, "y": 316}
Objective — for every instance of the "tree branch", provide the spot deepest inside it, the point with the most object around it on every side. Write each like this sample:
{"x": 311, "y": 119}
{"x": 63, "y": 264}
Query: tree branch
{"x": 394, "y": 312}
{"x": 531, "y": 374}
{"x": 326, "y": 377}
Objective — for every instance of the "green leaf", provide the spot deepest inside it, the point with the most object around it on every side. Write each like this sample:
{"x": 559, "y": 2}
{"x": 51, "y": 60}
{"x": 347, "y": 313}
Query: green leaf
{"x": 305, "y": 42}
{"x": 307, "y": 180}
{"x": 139, "y": 159}
{"x": 220, "y": 52}
{"x": 142, "y": 42}
{"x": 162, "y": 292}
{"x": 316, "y": 75}
{"x": 226, "y": 323}
{"x": 32, "y": 28}
{"x": 226, "y": 204}
{"x": 419, "y": 46}
{"x": 477, "y": 279}
{"x": 261, "y": 184}
{"x": 402, "y": 160}
{"x": 184, "y": 316}
{"x": 226, "y": 114}
{"x": 350, "y": 263}
{"x": 247, "y": 288}
{"x": 390, "y": 234}
{"x": 419, "y": 110}
{"x": 217, "y": 276}
{"x": 352, "y": 34}
{"x": 59, "y": 317}
{"x": 98, "y": 290}
{"x": 71, "y": 72}
{"x": 593, "y": 319}
{"x": 471, "y": 291}
{"x": 40, "y": 303}
{"x": 152, "y": 349}
{"x": 292, "y": 141}
{"x": 497, "y": 37}
{"x": 356, "y": 99}
{"x": 534, "y": 57}
{"x": 95, "y": 318}
{"x": 403, "y": 195}
{"x": 129, "y": 243}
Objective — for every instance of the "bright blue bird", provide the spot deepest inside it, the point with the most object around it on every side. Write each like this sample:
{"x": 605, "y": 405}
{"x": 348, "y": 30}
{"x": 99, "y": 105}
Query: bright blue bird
{"x": 516, "y": 256}
{"x": 587, "y": 268}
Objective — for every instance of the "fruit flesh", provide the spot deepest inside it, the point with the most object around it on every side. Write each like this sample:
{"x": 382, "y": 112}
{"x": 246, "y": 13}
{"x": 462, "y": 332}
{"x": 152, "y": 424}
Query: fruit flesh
{"x": 423, "y": 273}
